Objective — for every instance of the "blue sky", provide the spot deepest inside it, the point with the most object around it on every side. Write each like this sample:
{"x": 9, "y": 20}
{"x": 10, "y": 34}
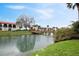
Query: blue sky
{"x": 52, "y": 14}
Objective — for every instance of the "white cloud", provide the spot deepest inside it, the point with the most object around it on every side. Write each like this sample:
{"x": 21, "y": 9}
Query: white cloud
{"x": 45, "y": 13}
{"x": 16, "y": 7}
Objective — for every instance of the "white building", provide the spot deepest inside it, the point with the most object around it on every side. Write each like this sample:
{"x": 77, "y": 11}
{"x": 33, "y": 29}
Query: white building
{"x": 7, "y": 26}
{"x": 11, "y": 26}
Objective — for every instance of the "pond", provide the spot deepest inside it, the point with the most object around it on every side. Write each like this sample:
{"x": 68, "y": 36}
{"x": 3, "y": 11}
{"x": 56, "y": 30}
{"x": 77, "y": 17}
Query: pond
{"x": 23, "y": 45}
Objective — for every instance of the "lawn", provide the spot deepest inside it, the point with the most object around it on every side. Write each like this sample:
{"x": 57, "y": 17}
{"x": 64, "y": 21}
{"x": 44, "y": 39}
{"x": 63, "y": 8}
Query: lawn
{"x": 63, "y": 48}
{"x": 14, "y": 33}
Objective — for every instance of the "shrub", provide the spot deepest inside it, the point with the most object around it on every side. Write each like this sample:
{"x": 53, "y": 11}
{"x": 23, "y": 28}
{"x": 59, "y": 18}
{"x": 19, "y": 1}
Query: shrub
{"x": 75, "y": 26}
{"x": 62, "y": 34}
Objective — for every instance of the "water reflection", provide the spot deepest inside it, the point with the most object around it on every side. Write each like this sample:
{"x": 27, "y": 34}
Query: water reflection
{"x": 43, "y": 41}
{"x": 26, "y": 43}
{"x": 22, "y": 45}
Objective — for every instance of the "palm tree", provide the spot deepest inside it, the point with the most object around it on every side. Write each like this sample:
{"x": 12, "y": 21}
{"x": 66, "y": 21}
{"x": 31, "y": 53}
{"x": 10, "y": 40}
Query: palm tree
{"x": 71, "y": 5}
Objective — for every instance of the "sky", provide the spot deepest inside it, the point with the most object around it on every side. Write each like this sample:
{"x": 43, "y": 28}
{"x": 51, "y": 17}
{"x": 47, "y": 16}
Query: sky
{"x": 52, "y": 14}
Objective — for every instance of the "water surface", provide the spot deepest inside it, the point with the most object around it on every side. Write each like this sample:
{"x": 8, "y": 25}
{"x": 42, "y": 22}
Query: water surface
{"x": 23, "y": 45}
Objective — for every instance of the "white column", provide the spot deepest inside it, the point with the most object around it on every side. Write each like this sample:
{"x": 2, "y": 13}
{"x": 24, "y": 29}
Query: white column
{"x": 11, "y": 27}
{"x": 2, "y": 27}
{"x": 7, "y": 27}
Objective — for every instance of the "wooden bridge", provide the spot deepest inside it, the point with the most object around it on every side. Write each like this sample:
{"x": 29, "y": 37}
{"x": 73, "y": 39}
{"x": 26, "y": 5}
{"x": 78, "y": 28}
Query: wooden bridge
{"x": 43, "y": 32}
{"x": 36, "y": 32}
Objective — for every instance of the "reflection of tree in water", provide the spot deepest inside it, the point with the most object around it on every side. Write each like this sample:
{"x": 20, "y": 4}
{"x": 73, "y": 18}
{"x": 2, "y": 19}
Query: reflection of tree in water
{"x": 26, "y": 43}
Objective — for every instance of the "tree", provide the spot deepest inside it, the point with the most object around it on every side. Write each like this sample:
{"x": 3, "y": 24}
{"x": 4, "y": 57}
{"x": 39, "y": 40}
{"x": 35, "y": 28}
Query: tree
{"x": 75, "y": 26}
{"x": 25, "y": 21}
{"x": 71, "y": 5}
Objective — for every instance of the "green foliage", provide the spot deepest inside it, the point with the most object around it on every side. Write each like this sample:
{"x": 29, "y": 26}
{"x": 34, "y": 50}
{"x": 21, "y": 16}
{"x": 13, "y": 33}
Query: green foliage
{"x": 21, "y": 30}
{"x": 62, "y": 34}
{"x": 64, "y": 48}
{"x": 75, "y": 26}
{"x": 71, "y": 5}
{"x": 66, "y": 33}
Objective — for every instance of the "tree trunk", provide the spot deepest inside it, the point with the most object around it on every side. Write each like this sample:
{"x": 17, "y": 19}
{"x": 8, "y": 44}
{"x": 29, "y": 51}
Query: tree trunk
{"x": 78, "y": 10}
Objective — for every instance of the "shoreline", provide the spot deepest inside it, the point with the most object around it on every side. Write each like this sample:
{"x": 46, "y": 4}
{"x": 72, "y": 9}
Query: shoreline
{"x": 63, "y": 48}
{"x": 14, "y": 33}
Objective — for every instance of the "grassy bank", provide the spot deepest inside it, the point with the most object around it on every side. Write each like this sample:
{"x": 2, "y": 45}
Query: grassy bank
{"x": 8, "y": 33}
{"x": 64, "y": 48}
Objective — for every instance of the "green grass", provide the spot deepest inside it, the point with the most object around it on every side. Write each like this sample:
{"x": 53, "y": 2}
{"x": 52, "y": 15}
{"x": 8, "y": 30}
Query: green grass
{"x": 10, "y": 33}
{"x": 64, "y": 48}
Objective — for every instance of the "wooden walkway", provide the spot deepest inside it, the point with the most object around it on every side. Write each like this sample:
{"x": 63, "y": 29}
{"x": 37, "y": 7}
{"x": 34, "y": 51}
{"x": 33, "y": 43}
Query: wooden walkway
{"x": 36, "y": 32}
{"x": 41, "y": 32}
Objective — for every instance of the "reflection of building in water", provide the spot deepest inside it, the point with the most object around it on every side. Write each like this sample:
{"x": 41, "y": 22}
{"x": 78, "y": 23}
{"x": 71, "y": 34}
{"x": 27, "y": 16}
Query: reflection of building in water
{"x": 26, "y": 43}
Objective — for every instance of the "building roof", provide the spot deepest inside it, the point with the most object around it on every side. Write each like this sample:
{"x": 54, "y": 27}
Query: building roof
{"x": 1, "y": 22}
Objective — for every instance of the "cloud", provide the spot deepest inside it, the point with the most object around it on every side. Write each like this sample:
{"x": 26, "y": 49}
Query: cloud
{"x": 16, "y": 7}
{"x": 45, "y": 13}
